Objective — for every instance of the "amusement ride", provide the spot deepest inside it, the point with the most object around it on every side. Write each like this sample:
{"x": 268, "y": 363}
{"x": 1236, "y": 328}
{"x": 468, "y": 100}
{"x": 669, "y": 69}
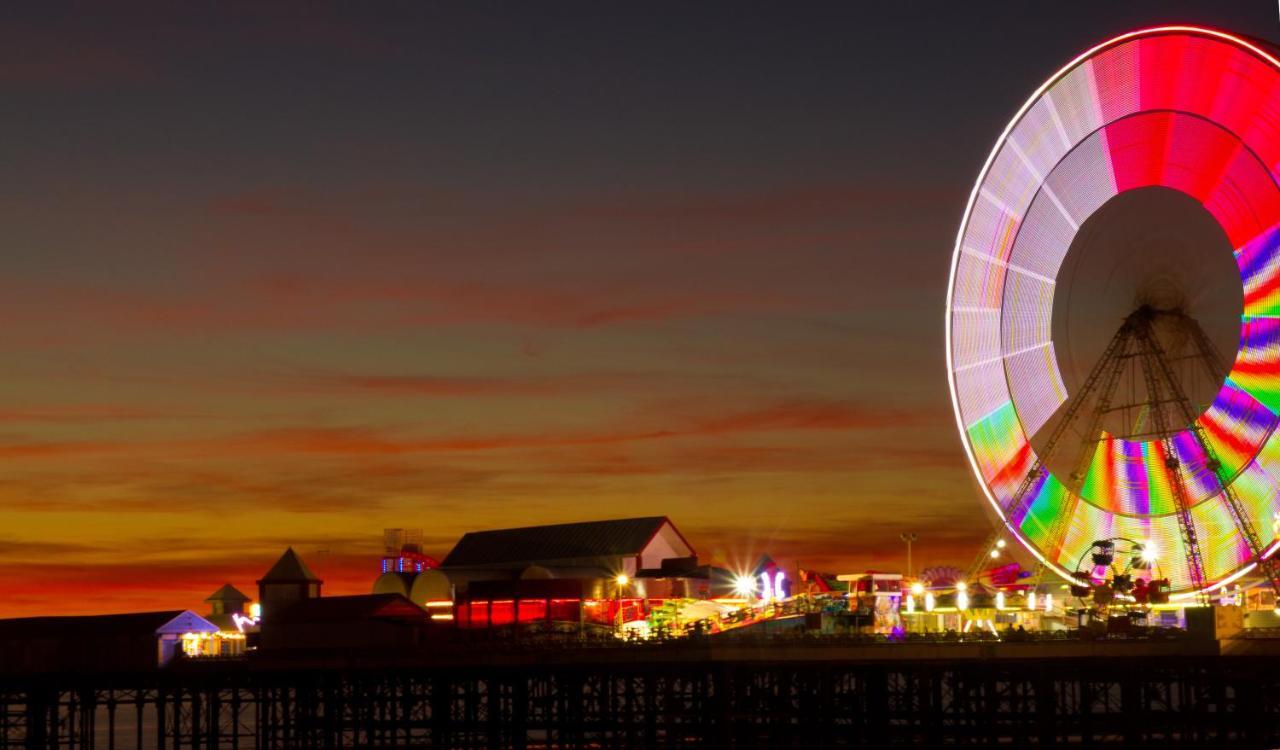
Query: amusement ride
{"x": 1113, "y": 321}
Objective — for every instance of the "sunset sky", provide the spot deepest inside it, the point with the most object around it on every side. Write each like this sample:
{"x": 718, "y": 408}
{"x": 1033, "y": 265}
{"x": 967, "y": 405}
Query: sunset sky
{"x": 290, "y": 276}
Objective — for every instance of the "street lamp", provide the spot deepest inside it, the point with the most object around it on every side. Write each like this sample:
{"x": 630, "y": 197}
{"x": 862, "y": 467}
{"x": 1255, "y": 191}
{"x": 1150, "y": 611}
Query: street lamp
{"x": 621, "y": 580}
{"x": 908, "y": 537}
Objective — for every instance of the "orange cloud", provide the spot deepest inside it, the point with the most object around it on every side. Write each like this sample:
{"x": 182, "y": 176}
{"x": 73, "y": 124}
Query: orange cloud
{"x": 796, "y": 416}
{"x": 85, "y": 413}
{"x": 441, "y": 386}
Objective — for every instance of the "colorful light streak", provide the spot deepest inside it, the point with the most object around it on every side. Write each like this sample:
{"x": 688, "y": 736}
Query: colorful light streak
{"x": 1190, "y": 109}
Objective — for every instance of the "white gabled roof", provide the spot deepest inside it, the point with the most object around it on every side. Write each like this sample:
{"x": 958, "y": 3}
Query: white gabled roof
{"x": 187, "y": 622}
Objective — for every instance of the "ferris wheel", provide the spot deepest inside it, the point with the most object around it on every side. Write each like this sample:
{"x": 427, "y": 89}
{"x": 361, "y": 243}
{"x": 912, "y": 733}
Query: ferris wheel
{"x": 1155, "y": 432}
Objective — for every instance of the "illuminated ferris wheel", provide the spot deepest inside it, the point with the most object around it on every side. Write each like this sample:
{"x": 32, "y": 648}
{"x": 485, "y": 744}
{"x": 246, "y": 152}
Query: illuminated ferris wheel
{"x": 1123, "y": 234}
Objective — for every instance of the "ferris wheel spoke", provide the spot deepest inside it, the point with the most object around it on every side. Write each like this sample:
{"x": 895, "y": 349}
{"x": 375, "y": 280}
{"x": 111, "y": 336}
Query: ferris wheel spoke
{"x": 1215, "y": 365}
{"x": 1099, "y": 386}
{"x": 1153, "y": 367}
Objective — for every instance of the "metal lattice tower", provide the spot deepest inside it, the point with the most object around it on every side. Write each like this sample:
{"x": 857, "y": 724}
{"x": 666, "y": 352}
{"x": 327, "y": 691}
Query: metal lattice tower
{"x": 1109, "y": 367}
{"x": 1136, "y": 348}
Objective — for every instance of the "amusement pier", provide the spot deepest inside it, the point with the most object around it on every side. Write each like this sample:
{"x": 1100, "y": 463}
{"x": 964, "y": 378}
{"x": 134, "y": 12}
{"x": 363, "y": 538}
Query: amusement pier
{"x": 614, "y": 635}
{"x": 1118, "y": 411}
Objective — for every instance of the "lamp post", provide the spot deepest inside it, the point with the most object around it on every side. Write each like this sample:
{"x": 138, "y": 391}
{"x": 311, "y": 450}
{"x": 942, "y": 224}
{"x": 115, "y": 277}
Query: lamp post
{"x": 908, "y": 537}
{"x": 621, "y": 580}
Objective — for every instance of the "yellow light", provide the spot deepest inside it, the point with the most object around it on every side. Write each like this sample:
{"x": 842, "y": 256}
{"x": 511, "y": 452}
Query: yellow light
{"x": 1000, "y": 544}
{"x": 622, "y": 579}
{"x": 999, "y": 600}
{"x": 1048, "y": 602}
{"x": 442, "y": 617}
{"x": 911, "y": 604}
{"x": 1170, "y": 606}
{"x": 1148, "y": 553}
{"x": 438, "y": 603}
{"x": 961, "y": 586}
{"x": 917, "y": 588}
{"x": 255, "y": 610}
{"x": 928, "y": 601}
{"x": 995, "y": 553}
{"x": 1031, "y": 600}
{"x": 744, "y": 585}
{"x": 962, "y": 600}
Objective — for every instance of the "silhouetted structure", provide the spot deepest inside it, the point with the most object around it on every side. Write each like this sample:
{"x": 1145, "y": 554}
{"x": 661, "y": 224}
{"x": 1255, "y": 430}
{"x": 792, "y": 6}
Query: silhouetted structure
{"x": 579, "y": 573}
{"x": 98, "y": 643}
{"x": 224, "y": 603}
{"x": 287, "y": 582}
{"x": 347, "y": 624}
{"x": 1178, "y": 693}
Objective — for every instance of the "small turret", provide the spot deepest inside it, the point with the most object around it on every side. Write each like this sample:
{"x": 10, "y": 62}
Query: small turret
{"x": 289, "y": 581}
{"x": 227, "y": 600}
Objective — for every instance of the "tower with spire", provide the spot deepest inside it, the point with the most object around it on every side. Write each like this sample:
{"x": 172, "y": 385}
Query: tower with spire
{"x": 287, "y": 582}
{"x": 224, "y": 604}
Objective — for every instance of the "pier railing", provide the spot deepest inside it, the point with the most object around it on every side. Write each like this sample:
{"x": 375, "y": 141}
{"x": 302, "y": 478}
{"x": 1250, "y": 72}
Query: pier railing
{"x": 1169, "y": 693}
